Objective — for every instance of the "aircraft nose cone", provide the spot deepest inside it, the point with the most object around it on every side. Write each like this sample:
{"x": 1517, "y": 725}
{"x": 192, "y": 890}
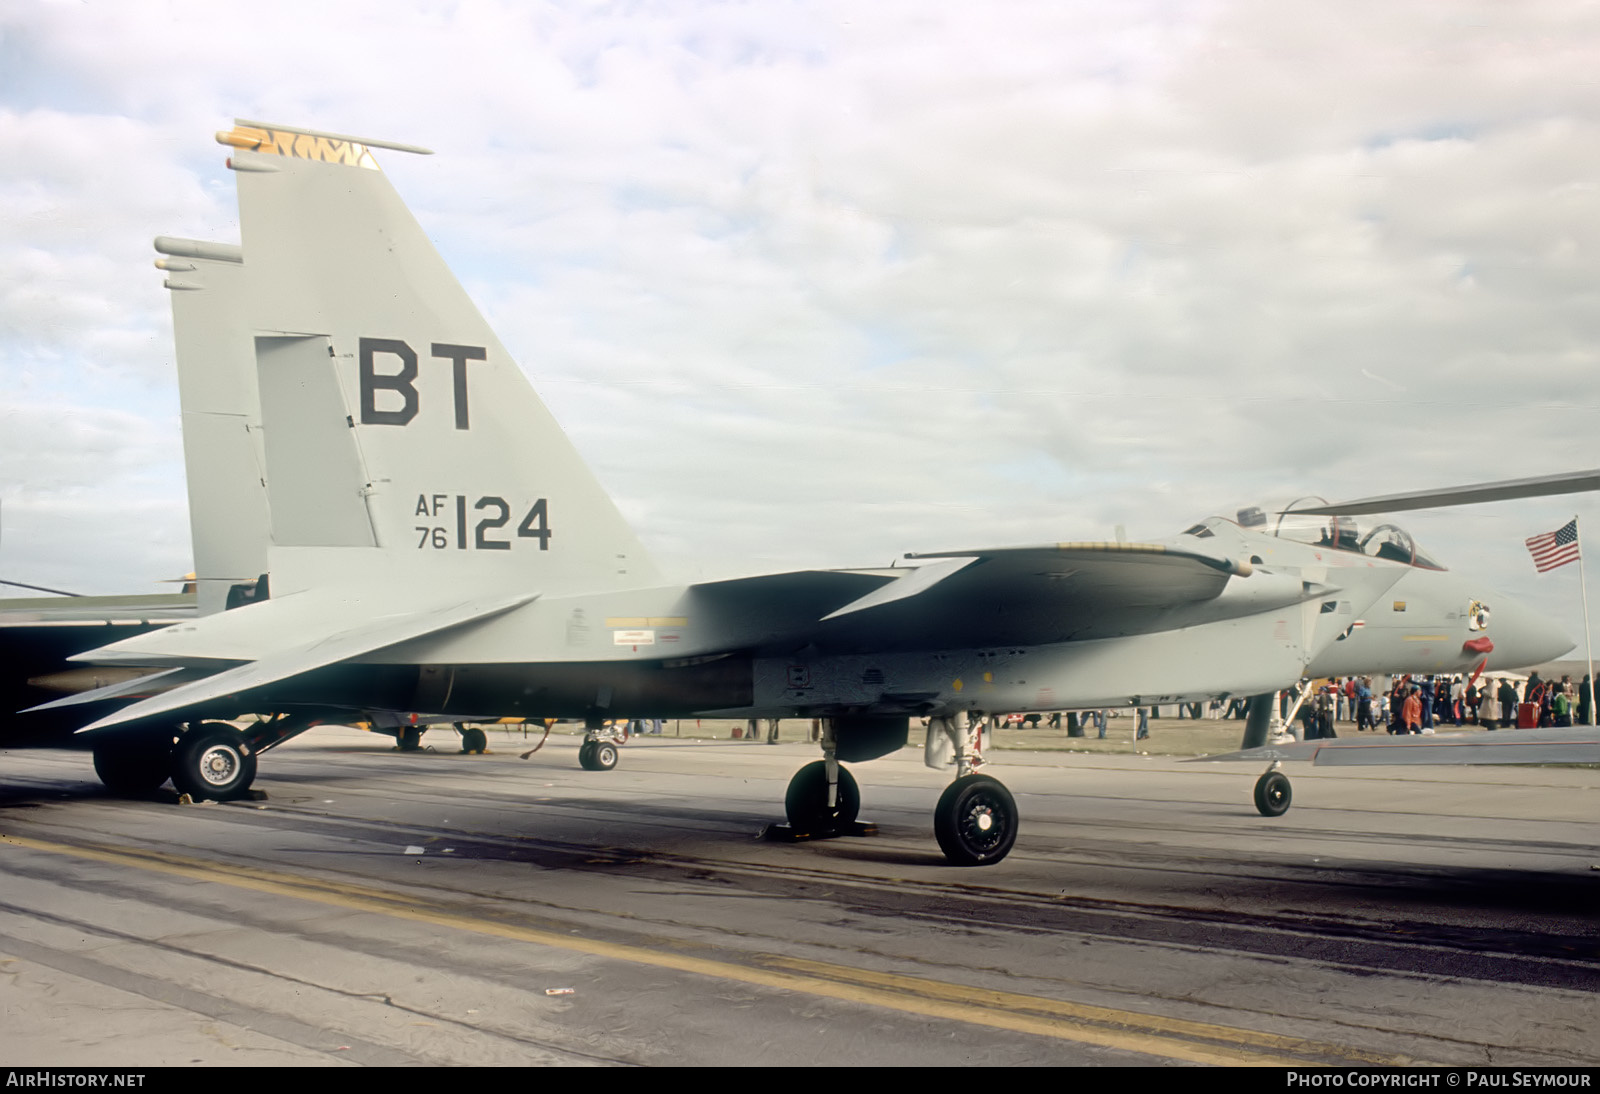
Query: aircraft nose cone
{"x": 1523, "y": 638}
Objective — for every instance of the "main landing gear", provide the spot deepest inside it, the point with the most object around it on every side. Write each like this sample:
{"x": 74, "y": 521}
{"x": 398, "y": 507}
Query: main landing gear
{"x": 823, "y": 799}
{"x": 816, "y": 808}
{"x": 975, "y": 821}
{"x": 134, "y": 766}
{"x": 209, "y": 761}
{"x": 213, "y": 761}
{"x": 597, "y": 755}
{"x": 599, "y": 749}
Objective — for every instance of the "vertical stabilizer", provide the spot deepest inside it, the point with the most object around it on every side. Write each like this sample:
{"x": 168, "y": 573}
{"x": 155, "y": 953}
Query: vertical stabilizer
{"x": 378, "y": 365}
{"x": 229, "y": 522}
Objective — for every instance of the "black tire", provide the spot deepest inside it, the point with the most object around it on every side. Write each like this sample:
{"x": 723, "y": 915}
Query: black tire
{"x": 474, "y": 740}
{"x": 409, "y": 739}
{"x": 806, "y": 802}
{"x": 1273, "y": 794}
{"x": 976, "y": 821}
{"x": 213, "y": 761}
{"x": 586, "y": 755}
{"x": 603, "y": 756}
{"x": 134, "y": 767}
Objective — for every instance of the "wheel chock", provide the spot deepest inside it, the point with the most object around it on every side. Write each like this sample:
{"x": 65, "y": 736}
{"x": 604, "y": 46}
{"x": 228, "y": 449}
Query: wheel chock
{"x": 788, "y": 833}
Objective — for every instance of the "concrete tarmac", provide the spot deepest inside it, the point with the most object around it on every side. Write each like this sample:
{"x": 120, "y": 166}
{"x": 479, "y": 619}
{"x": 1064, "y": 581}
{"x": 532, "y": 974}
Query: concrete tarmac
{"x": 381, "y": 907}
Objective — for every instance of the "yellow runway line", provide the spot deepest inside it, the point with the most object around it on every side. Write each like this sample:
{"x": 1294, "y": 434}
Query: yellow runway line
{"x": 1126, "y": 1031}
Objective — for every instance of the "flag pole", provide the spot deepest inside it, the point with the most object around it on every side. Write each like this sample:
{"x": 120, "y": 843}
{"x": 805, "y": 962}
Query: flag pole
{"x": 1588, "y": 644}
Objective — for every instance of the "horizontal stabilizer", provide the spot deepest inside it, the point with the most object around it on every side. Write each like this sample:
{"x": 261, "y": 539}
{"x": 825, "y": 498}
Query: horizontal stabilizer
{"x": 374, "y": 635}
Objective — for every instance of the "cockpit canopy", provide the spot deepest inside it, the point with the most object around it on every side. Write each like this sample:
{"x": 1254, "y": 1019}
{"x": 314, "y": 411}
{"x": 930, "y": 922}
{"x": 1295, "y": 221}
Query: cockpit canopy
{"x": 1338, "y": 533}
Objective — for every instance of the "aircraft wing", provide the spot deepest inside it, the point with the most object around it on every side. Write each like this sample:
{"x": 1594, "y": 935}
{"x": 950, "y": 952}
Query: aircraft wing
{"x": 1569, "y": 482}
{"x": 1576, "y": 745}
{"x": 364, "y": 638}
{"x": 1050, "y": 593}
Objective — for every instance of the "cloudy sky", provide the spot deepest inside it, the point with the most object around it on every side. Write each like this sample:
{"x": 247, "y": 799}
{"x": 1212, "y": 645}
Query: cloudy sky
{"x": 817, "y": 284}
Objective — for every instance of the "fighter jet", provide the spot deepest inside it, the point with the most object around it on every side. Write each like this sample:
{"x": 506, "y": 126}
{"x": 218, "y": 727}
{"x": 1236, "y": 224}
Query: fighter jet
{"x": 1562, "y": 745}
{"x": 437, "y": 544}
{"x": 39, "y": 633}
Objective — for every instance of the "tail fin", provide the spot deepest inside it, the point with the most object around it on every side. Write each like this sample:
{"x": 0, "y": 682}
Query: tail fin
{"x": 394, "y": 418}
{"x": 229, "y": 524}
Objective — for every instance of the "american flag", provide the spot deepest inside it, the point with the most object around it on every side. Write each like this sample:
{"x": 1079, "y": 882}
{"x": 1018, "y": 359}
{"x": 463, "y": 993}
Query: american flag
{"x": 1555, "y": 548}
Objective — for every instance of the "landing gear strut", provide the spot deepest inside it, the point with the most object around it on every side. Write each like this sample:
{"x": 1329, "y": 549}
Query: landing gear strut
{"x": 976, "y": 819}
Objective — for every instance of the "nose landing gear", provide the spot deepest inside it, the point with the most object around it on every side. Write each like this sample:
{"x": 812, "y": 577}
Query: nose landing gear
{"x": 1273, "y": 792}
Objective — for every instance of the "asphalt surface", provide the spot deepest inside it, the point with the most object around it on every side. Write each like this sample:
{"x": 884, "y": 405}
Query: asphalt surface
{"x": 437, "y": 908}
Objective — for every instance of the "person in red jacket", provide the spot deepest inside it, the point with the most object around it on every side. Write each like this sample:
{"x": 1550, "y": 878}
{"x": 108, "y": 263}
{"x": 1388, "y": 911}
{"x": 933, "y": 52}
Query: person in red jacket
{"x": 1411, "y": 712}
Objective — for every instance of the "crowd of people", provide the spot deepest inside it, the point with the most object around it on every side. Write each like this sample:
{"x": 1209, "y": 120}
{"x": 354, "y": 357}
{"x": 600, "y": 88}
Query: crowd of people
{"x": 1405, "y": 705}
{"x": 1415, "y": 704}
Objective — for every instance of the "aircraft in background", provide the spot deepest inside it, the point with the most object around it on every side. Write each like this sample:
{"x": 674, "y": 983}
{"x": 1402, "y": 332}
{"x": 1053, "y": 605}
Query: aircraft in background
{"x": 1577, "y": 744}
{"x": 38, "y": 634}
{"x": 435, "y": 543}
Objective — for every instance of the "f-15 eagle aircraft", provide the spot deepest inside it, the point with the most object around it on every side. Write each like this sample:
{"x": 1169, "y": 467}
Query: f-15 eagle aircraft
{"x": 437, "y": 544}
{"x": 1578, "y": 744}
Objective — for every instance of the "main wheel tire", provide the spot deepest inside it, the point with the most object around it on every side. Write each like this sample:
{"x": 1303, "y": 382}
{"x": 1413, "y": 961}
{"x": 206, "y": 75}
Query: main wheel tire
{"x": 213, "y": 761}
{"x": 603, "y": 756}
{"x": 1273, "y": 794}
{"x": 806, "y": 801}
{"x": 586, "y": 755}
{"x": 134, "y": 767}
{"x": 409, "y": 739}
{"x": 975, "y": 821}
{"x": 474, "y": 740}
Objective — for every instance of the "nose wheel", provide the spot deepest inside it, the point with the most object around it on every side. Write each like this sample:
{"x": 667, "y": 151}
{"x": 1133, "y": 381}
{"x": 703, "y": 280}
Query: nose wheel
{"x": 975, "y": 821}
{"x": 1273, "y": 793}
